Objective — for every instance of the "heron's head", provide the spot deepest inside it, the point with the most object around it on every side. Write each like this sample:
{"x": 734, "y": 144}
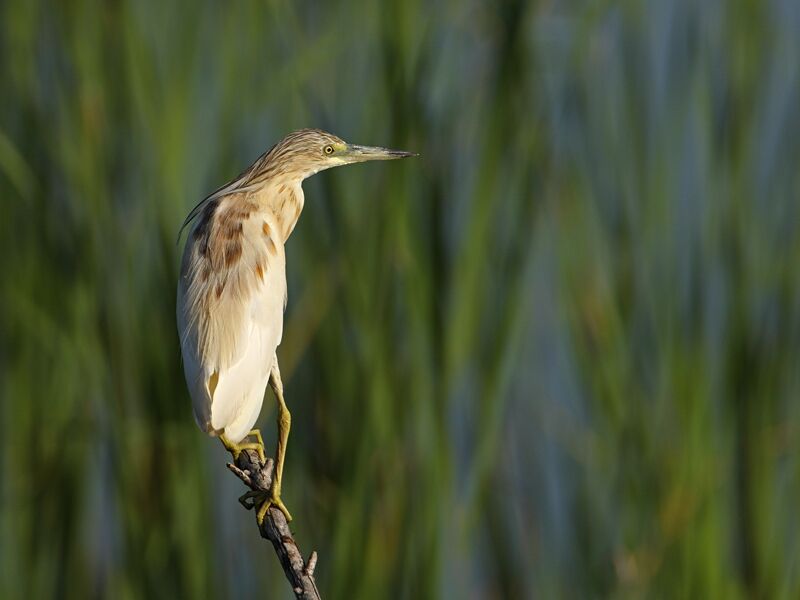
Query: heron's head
{"x": 307, "y": 151}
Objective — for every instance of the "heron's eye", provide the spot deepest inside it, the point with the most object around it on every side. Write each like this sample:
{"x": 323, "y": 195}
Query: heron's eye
{"x": 328, "y": 150}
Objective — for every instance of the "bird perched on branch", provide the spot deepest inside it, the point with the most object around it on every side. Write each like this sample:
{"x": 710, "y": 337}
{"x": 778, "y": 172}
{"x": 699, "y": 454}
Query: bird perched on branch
{"x": 232, "y": 290}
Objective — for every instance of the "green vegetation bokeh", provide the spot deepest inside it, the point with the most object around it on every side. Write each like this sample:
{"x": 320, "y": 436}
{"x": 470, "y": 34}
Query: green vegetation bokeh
{"x": 556, "y": 356}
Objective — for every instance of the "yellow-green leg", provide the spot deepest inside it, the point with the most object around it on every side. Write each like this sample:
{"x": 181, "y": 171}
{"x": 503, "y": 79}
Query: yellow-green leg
{"x": 236, "y": 449}
{"x": 284, "y": 425}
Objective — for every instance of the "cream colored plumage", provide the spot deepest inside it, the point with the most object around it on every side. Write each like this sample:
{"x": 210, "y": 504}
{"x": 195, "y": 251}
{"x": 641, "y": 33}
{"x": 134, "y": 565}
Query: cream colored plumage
{"x": 233, "y": 333}
{"x": 232, "y": 287}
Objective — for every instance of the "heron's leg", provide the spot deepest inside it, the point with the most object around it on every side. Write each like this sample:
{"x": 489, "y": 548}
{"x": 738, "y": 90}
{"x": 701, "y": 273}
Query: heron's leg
{"x": 284, "y": 425}
{"x": 236, "y": 449}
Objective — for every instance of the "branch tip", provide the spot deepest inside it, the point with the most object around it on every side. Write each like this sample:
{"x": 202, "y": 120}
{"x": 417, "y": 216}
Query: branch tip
{"x": 311, "y": 564}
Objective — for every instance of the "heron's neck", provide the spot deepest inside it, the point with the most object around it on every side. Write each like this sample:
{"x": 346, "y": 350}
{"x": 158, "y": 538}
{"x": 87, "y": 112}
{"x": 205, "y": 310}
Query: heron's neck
{"x": 285, "y": 200}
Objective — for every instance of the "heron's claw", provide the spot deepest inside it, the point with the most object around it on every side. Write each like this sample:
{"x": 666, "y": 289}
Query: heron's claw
{"x": 236, "y": 449}
{"x": 263, "y": 501}
{"x": 272, "y": 500}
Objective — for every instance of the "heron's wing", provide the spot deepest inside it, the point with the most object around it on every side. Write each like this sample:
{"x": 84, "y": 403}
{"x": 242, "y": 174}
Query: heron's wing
{"x": 230, "y": 310}
{"x": 239, "y": 186}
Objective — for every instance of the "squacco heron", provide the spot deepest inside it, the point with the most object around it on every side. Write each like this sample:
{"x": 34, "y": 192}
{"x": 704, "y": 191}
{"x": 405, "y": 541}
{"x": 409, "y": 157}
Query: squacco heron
{"x": 232, "y": 290}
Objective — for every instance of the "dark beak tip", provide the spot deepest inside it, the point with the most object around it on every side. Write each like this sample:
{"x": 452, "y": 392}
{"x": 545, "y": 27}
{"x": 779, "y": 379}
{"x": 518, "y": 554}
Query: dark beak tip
{"x": 377, "y": 153}
{"x": 402, "y": 153}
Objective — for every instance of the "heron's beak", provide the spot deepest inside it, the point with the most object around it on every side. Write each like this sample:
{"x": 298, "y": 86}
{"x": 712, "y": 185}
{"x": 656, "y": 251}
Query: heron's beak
{"x": 355, "y": 153}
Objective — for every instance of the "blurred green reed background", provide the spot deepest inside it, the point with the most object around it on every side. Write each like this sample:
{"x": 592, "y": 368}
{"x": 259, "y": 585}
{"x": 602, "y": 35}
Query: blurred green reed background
{"x": 554, "y": 357}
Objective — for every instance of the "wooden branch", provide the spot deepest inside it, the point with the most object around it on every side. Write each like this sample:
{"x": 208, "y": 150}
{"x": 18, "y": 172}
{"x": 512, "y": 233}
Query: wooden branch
{"x": 258, "y": 478}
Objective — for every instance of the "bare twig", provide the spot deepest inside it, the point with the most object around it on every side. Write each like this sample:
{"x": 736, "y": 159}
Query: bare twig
{"x": 258, "y": 478}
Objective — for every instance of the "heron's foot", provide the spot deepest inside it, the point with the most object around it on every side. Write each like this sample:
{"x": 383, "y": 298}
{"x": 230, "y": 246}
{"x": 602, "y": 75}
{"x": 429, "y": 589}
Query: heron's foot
{"x": 236, "y": 449}
{"x": 274, "y": 499}
{"x": 264, "y": 500}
